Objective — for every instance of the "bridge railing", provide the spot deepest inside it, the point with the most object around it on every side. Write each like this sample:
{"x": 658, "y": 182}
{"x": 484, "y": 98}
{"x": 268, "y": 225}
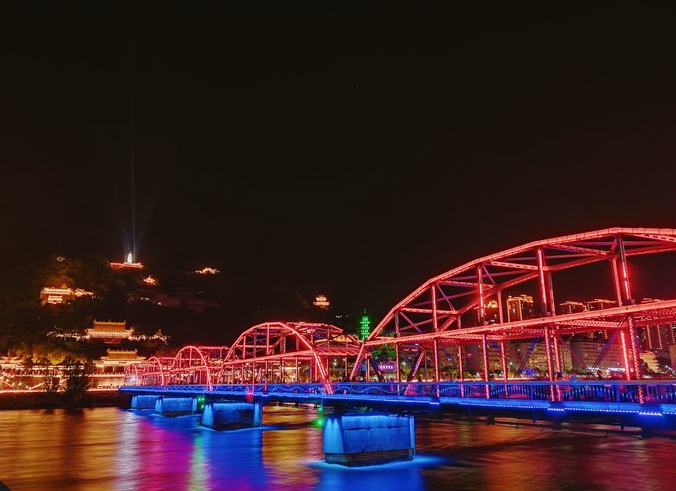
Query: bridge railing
{"x": 597, "y": 391}
{"x": 658, "y": 392}
{"x": 653, "y": 392}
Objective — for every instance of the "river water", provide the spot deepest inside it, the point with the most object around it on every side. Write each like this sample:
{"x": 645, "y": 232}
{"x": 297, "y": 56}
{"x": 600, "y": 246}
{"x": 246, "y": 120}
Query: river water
{"x": 116, "y": 449}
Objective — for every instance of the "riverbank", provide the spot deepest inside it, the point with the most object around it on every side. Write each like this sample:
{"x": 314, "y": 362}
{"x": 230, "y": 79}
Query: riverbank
{"x": 43, "y": 400}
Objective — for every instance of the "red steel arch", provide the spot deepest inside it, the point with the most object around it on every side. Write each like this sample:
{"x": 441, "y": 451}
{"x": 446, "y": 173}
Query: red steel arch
{"x": 191, "y": 365}
{"x": 195, "y": 365}
{"x": 450, "y": 310}
{"x": 149, "y": 372}
{"x": 132, "y": 374}
{"x": 283, "y": 351}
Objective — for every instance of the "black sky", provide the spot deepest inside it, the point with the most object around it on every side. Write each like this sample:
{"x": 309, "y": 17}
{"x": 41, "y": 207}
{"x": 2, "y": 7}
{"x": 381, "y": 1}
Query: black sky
{"x": 349, "y": 148}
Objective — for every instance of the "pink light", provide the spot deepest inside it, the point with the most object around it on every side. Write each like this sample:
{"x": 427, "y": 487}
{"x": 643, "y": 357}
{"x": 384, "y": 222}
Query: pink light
{"x": 482, "y": 308}
{"x": 626, "y": 279}
{"x": 624, "y": 352}
{"x": 542, "y": 278}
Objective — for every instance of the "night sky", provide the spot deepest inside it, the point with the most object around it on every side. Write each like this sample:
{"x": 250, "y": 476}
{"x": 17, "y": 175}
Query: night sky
{"x": 349, "y": 148}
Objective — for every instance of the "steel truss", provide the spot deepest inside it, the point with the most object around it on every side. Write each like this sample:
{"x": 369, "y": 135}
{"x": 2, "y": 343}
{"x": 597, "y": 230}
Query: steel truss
{"x": 272, "y": 351}
{"x": 446, "y": 315}
{"x": 290, "y": 352}
{"x": 434, "y": 316}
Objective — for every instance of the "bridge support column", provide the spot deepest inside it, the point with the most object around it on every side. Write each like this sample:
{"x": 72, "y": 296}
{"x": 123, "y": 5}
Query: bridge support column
{"x": 357, "y": 439}
{"x": 175, "y": 406}
{"x": 232, "y": 415}
{"x": 143, "y": 401}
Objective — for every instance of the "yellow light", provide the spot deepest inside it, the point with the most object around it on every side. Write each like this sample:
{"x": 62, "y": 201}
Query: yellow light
{"x": 321, "y": 302}
{"x": 149, "y": 280}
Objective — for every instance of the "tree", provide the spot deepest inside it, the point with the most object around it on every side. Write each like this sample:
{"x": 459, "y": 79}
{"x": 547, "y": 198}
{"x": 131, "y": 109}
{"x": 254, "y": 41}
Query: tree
{"x": 50, "y": 380}
{"x": 77, "y": 375}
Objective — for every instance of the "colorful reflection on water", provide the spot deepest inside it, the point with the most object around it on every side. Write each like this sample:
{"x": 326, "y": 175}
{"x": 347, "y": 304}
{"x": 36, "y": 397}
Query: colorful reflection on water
{"x": 114, "y": 449}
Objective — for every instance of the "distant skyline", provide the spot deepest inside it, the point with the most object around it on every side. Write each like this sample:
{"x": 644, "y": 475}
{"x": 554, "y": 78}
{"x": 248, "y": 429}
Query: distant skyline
{"x": 349, "y": 149}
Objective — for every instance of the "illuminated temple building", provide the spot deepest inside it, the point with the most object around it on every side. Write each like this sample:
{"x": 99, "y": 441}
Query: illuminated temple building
{"x": 57, "y": 296}
{"x": 128, "y": 263}
{"x": 110, "y": 369}
{"x": 110, "y": 332}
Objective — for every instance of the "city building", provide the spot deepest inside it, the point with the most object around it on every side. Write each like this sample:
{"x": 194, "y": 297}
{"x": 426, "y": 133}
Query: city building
{"x": 589, "y": 355}
{"x": 532, "y": 357}
{"x": 672, "y": 355}
{"x": 570, "y": 307}
{"x": 651, "y": 361}
{"x": 491, "y": 313}
{"x": 657, "y": 337}
{"x": 520, "y": 308}
{"x": 599, "y": 304}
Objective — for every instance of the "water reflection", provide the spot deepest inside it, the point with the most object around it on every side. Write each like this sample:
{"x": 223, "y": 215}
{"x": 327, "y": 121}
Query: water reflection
{"x": 112, "y": 449}
{"x": 532, "y": 459}
{"x": 232, "y": 459}
{"x": 158, "y": 458}
{"x": 43, "y": 449}
{"x": 397, "y": 475}
{"x": 290, "y": 433}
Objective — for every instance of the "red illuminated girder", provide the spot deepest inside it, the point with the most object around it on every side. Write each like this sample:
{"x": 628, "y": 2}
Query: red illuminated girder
{"x": 436, "y": 309}
{"x": 515, "y": 266}
{"x": 432, "y": 315}
{"x": 192, "y": 364}
{"x": 287, "y": 338}
{"x": 283, "y": 344}
{"x": 149, "y": 372}
{"x": 582, "y": 317}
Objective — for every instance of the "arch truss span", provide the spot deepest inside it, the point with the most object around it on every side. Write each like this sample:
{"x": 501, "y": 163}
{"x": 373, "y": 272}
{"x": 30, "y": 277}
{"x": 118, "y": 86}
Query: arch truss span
{"x": 470, "y": 314}
{"x": 290, "y": 352}
{"x": 190, "y": 365}
{"x": 196, "y": 365}
{"x": 148, "y": 372}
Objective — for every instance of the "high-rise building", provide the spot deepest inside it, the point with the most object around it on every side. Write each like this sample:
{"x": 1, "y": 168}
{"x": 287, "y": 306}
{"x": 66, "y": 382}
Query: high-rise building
{"x": 656, "y": 337}
{"x": 495, "y": 353}
{"x": 672, "y": 355}
{"x": 570, "y": 307}
{"x": 600, "y": 304}
{"x": 491, "y": 313}
{"x": 519, "y": 308}
{"x": 587, "y": 355}
{"x": 532, "y": 355}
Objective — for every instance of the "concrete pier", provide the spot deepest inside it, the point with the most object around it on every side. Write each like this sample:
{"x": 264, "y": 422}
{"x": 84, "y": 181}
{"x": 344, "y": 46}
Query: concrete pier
{"x": 175, "y": 406}
{"x": 232, "y": 415}
{"x": 142, "y": 401}
{"x": 358, "y": 439}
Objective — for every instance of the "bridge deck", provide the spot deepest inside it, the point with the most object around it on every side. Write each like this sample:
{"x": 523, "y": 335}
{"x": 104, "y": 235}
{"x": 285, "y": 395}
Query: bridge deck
{"x": 599, "y": 397}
